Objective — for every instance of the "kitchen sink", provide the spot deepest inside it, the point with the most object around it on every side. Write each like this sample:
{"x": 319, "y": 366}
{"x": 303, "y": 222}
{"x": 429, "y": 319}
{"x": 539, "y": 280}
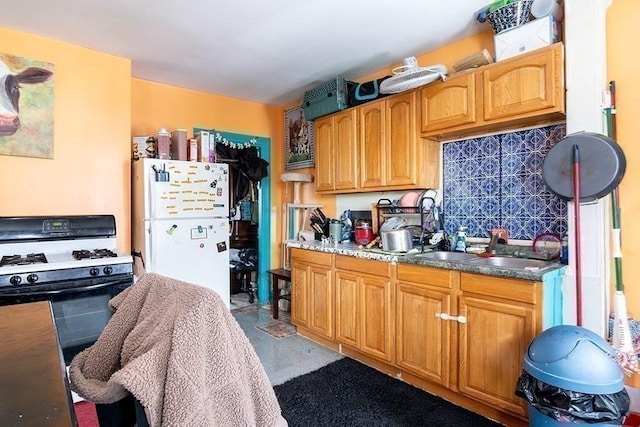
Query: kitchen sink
{"x": 447, "y": 256}
{"x": 514, "y": 263}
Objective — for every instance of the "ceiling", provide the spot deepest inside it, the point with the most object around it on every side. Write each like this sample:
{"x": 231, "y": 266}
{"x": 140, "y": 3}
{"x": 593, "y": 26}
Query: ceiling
{"x": 269, "y": 52}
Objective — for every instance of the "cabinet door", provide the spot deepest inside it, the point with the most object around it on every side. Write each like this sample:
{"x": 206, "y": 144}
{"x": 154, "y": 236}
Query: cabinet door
{"x": 376, "y": 317}
{"x": 422, "y": 339}
{"x": 300, "y": 276}
{"x": 526, "y": 85}
{"x": 323, "y": 149}
{"x": 345, "y": 154}
{"x": 372, "y": 137}
{"x": 347, "y": 309}
{"x": 492, "y": 344}
{"x": 321, "y": 301}
{"x": 400, "y": 157}
{"x": 449, "y": 104}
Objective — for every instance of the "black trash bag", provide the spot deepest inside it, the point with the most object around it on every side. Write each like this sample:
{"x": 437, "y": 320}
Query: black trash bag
{"x": 572, "y": 406}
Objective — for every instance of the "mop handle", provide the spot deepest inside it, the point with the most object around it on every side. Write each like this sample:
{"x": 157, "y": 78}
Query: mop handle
{"x": 576, "y": 210}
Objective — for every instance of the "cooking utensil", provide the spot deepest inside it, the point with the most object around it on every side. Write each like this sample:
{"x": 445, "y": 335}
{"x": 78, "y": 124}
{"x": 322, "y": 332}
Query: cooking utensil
{"x": 601, "y": 160}
{"x": 603, "y": 163}
{"x": 398, "y": 240}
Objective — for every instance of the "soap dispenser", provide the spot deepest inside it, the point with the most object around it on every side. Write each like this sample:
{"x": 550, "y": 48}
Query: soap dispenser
{"x": 461, "y": 239}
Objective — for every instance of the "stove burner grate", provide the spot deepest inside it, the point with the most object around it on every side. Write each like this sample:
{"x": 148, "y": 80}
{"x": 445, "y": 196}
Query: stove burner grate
{"x": 23, "y": 260}
{"x": 96, "y": 253}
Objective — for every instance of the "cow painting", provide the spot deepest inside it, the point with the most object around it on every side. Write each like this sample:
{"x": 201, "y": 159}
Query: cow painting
{"x": 10, "y": 94}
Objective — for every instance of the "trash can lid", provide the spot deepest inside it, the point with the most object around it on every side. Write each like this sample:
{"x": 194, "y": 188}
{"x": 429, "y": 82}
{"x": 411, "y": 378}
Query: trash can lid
{"x": 574, "y": 358}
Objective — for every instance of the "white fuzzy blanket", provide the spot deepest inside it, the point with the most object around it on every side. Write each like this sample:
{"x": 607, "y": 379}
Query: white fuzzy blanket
{"x": 177, "y": 348}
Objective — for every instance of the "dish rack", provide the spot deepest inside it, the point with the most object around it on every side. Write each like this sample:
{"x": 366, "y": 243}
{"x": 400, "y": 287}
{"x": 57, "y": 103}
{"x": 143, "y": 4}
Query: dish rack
{"x": 423, "y": 211}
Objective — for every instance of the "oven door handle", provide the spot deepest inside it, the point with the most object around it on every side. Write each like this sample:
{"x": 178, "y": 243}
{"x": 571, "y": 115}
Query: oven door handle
{"x": 65, "y": 291}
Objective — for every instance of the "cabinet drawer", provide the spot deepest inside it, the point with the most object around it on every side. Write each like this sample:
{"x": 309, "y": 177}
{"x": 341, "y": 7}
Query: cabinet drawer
{"x": 311, "y": 257}
{"x": 368, "y": 266}
{"x": 518, "y": 290}
{"x": 427, "y": 275}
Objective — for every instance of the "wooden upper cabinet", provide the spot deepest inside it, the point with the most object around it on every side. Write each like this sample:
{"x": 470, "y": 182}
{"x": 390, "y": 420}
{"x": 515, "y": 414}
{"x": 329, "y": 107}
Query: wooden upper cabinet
{"x": 345, "y": 152}
{"x": 524, "y": 84}
{"x": 324, "y": 143}
{"x": 402, "y": 149}
{"x": 527, "y": 89}
{"x": 450, "y": 103}
{"x": 336, "y": 151}
{"x": 372, "y": 142}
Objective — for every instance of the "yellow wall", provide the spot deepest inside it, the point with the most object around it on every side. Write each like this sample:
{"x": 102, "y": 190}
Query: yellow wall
{"x": 89, "y": 172}
{"x": 155, "y": 105}
{"x": 623, "y": 64}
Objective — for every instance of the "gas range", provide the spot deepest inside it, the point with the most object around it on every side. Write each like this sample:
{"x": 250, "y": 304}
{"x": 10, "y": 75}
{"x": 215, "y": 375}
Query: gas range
{"x": 36, "y": 251}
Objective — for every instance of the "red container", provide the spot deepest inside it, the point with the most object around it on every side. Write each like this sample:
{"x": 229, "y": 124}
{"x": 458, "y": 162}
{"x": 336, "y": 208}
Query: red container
{"x": 363, "y": 232}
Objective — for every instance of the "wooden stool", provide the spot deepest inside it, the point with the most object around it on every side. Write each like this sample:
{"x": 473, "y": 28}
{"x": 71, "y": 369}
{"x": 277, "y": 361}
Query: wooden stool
{"x": 277, "y": 275}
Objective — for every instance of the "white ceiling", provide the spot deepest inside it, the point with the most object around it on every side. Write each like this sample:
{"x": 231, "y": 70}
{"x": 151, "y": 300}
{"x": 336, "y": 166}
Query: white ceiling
{"x": 269, "y": 52}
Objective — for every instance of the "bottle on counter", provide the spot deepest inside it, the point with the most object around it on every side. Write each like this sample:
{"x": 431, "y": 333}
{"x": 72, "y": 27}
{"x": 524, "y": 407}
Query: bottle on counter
{"x": 460, "y": 239}
{"x": 564, "y": 250}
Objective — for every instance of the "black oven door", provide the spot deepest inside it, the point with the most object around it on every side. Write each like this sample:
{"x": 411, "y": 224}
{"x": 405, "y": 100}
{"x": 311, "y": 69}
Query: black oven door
{"x": 80, "y": 308}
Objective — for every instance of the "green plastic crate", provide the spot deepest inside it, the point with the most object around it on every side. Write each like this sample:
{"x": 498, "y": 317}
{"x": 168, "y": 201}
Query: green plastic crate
{"x": 329, "y": 97}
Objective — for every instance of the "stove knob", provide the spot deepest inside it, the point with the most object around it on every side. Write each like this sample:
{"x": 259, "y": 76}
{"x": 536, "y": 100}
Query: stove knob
{"x": 15, "y": 280}
{"x": 32, "y": 278}
{"x": 108, "y": 270}
{"x": 94, "y": 271}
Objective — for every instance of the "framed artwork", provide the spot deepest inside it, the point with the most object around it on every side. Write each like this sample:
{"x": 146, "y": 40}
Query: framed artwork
{"x": 26, "y": 107}
{"x": 298, "y": 140}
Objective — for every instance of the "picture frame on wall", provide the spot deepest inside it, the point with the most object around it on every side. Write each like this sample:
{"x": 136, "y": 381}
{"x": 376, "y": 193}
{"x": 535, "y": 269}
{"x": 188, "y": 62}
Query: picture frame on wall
{"x": 298, "y": 140}
{"x": 26, "y": 105}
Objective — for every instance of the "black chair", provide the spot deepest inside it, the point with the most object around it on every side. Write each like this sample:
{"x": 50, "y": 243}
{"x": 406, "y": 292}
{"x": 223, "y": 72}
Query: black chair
{"x": 247, "y": 263}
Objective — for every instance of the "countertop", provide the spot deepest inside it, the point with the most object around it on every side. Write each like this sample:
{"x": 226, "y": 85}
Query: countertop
{"x": 351, "y": 249}
{"x": 33, "y": 383}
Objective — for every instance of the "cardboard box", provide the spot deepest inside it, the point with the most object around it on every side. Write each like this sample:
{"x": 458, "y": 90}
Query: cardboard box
{"x": 532, "y": 35}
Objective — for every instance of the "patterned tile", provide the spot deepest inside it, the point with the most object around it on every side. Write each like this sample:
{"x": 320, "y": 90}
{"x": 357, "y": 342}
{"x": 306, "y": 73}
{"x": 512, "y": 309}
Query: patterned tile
{"x": 496, "y": 181}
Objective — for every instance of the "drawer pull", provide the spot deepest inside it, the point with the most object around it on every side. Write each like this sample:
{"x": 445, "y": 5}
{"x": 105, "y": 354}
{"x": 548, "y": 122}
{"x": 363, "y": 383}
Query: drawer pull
{"x": 445, "y": 316}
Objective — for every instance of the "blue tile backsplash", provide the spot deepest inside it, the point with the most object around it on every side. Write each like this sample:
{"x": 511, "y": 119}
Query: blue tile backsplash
{"x": 496, "y": 181}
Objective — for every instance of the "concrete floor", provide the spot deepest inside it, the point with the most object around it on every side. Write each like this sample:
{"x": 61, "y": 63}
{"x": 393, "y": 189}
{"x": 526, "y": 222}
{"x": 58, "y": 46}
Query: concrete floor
{"x": 282, "y": 358}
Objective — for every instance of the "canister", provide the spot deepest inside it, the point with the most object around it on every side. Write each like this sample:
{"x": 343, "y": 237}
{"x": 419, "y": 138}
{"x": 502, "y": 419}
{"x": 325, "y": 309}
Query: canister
{"x": 335, "y": 230}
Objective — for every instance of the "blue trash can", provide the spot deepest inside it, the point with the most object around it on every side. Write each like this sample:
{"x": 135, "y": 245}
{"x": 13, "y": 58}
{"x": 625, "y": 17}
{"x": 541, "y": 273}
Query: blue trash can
{"x": 570, "y": 377}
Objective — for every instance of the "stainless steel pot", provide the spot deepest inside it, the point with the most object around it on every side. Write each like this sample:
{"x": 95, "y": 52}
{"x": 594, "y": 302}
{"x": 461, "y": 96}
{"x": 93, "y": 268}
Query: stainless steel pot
{"x": 398, "y": 240}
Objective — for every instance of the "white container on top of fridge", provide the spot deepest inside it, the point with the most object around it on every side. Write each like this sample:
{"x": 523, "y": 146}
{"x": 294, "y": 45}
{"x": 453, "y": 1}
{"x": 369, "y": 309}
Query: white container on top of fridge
{"x": 180, "y": 221}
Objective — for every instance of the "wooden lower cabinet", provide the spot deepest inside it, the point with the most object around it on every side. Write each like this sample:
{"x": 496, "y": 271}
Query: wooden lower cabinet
{"x": 502, "y": 317}
{"x": 456, "y": 334}
{"x": 423, "y": 340}
{"x": 477, "y": 347}
{"x": 364, "y": 306}
{"x": 312, "y": 300}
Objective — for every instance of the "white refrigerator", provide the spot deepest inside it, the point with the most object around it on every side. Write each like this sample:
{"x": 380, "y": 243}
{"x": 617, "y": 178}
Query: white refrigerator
{"x": 180, "y": 221}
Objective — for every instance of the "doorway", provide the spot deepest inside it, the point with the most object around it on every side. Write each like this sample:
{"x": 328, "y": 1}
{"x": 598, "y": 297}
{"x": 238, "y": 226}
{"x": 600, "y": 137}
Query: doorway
{"x": 263, "y": 146}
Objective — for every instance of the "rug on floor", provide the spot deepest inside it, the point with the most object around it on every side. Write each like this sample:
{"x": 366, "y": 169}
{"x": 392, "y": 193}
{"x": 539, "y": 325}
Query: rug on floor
{"x": 278, "y": 328}
{"x": 245, "y": 309}
{"x": 349, "y": 393}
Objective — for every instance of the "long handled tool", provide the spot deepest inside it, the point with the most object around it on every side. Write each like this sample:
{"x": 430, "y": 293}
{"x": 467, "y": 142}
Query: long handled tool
{"x": 621, "y": 331}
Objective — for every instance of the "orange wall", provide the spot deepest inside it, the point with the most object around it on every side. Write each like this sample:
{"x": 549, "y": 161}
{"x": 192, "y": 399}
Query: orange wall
{"x": 155, "y": 105}
{"x": 89, "y": 172}
{"x": 623, "y": 66}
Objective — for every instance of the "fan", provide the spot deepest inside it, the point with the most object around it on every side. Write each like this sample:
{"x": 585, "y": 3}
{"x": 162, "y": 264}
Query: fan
{"x": 411, "y": 78}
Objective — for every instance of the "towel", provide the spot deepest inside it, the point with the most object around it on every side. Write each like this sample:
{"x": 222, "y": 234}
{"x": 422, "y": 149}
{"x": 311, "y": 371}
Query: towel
{"x": 178, "y": 350}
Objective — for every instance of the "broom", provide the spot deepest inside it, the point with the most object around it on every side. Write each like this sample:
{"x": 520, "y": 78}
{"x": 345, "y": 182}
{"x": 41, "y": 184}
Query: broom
{"x": 622, "y": 343}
